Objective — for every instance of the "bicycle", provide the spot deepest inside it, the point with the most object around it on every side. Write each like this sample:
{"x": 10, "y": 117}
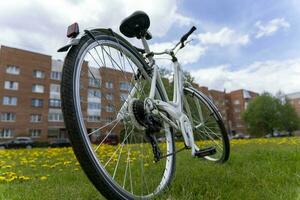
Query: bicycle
{"x": 142, "y": 164}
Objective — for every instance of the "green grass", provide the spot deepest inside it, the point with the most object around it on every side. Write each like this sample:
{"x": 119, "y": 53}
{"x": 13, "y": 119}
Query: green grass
{"x": 256, "y": 170}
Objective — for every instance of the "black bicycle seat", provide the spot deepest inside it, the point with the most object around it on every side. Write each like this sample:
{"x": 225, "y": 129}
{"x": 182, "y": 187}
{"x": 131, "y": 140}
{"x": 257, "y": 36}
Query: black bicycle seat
{"x": 135, "y": 25}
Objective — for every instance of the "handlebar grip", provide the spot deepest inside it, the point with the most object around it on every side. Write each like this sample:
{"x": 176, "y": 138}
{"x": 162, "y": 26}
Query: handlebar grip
{"x": 185, "y": 36}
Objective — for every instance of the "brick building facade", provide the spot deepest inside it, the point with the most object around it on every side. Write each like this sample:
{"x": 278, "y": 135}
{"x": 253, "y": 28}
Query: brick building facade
{"x": 231, "y": 105}
{"x": 30, "y": 97}
{"x": 294, "y": 99}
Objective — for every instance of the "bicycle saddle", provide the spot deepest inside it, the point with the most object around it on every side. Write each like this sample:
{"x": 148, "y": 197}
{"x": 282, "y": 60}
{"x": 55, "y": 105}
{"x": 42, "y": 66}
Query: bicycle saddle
{"x": 136, "y": 25}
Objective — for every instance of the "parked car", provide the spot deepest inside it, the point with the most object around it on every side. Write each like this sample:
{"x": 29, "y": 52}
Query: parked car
{"x": 238, "y": 136}
{"x": 277, "y": 134}
{"x": 60, "y": 142}
{"x": 18, "y": 142}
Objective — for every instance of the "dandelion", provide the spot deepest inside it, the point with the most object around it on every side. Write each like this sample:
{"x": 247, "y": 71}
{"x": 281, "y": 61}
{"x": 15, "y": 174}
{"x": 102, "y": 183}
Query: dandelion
{"x": 43, "y": 178}
{"x": 24, "y": 178}
{"x": 2, "y": 178}
{"x": 67, "y": 162}
{"x": 6, "y": 166}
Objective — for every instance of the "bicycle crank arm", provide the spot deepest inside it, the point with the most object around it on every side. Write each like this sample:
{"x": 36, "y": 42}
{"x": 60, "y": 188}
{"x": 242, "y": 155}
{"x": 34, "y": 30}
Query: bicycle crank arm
{"x": 187, "y": 132}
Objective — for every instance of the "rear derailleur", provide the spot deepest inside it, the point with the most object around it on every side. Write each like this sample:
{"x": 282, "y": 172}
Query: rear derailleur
{"x": 145, "y": 120}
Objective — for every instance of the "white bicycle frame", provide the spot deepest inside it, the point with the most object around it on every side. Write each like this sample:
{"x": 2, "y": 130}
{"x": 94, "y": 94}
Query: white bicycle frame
{"x": 173, "y": 108}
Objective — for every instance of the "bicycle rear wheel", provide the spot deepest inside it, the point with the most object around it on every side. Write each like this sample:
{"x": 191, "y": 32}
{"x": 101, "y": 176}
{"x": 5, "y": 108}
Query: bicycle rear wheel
{"x": 208, "y": 127}
{"x": 115, "y": 154}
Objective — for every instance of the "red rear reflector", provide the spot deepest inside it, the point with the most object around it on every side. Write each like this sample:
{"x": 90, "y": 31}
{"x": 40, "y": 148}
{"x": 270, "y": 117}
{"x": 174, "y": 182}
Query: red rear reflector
{"x": 73, "y": 30}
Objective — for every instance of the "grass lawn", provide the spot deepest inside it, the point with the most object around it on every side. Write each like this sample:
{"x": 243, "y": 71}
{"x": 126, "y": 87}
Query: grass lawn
{"x": 257, "y": 169}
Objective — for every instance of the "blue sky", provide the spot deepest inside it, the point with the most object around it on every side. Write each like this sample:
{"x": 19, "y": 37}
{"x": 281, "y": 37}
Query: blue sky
{"x": 212, "y": 15}
{"x": 245, "y": 44}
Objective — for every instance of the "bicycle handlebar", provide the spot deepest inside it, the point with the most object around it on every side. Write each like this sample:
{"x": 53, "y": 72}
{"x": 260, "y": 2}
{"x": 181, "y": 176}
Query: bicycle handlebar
{"x": 185, "y": 36}
{"x": 168, "y": 51}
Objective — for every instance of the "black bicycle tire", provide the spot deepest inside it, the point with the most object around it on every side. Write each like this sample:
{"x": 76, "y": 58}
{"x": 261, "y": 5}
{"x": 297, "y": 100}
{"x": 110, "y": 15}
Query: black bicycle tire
{"x": 88, "y": 164}
{"x": 218, "y": 117}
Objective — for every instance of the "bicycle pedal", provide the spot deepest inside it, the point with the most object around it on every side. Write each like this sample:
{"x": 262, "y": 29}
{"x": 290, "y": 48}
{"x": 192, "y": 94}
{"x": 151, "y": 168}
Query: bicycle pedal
{"x": 205, "y": 152}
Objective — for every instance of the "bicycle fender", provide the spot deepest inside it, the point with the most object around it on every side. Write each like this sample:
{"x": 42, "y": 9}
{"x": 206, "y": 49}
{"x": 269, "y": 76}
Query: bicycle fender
{"x": 75, "y": 41}
{"x": 72, "y": 42}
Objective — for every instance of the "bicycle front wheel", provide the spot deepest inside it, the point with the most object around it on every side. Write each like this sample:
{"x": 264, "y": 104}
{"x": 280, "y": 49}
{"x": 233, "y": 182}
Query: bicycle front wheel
{"x": 208, "y": 127}
{"x": 100, "y": 75}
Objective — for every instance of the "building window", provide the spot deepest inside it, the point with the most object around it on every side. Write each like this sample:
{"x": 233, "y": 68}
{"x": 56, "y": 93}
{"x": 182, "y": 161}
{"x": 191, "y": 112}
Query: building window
{"x": 55, "y": 75}
{"x": 124, "y": 96}
{"x": 8, "y": 117}
{"x": 55, "y": 103}
{"x": 94, "y": 118}
{"x": 109, "y": 119}
{"x": 109, "y": 85}
{"x": 237, "y": 110}
{"x": 110, "y": 108}
{"x": 246, "y": 105}
{"x": 6, "y": 133}
{"x": 11, "y": 69}
{"x": 35, "y": 133}
{"x": 236, "y": 102}
{"x": 55, "y": 117}
{"x": 239, "y": 125}
{"x": 55, "y": 88}
{"x": 11, "y": 101}
{"x": 125, "y": 86}
{"x": 94, "y": 82}
{"x": 35, "y": 118}
{"x": 37, "y": 88}
{"x": 94, "y": 93}
{"x": 94, "y": 106}
{"x": 109, "y": 96}
{"x": 38, "y": 74}
{"x": 11, "y": 85}
{"x": 36, "y": 102}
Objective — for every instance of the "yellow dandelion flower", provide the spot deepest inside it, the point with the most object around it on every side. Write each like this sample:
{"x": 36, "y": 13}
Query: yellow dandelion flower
{"x": 43, "y": 178}
{"x": 24, "y": 178}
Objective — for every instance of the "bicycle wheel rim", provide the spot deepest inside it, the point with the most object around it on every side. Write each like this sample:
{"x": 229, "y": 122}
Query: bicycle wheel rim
{"x": 107, "y": 175}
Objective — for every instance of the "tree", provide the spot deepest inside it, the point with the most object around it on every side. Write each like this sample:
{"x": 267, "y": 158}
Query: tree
{"x": 189, "y": 77}
{"x": 263, "y": 115}
{"x": 290, "y": 121}
{"x": 169, "y": 83}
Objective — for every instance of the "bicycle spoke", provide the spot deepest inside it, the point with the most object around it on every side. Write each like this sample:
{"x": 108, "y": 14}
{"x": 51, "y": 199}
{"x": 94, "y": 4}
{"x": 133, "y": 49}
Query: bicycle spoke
{"x": 98, "y": 129}
{"x": 118, "y": 148}
{"x": 106, "y": 136}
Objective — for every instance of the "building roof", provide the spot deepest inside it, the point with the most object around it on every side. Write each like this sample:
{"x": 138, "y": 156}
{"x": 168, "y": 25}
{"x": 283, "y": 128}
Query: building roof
{"x": 24, "y": 50}
{"x": 295, "y": 95}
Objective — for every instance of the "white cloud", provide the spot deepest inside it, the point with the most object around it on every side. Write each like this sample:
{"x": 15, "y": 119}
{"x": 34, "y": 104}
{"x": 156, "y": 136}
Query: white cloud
{"x": 224, "y": 37}
{"x": 33, "y": 23}
{"x": 269, "y": 28}
{"x": 268, "y": 76}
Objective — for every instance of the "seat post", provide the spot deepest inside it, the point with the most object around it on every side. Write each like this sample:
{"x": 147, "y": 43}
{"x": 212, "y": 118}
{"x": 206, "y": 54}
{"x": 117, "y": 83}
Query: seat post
{"x": 147, "y": 50}
{"x": 145, "y": 44}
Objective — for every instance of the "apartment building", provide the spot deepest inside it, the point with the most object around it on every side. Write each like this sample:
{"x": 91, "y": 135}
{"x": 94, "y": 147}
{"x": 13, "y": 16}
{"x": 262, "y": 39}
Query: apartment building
{"x": 231, "y": 105}
{"x": 237, "y": 102}
{"x": 30, "y": 103}
{"x": 294, "y": 99}
{"x": 30, "y": 95}
{"x": 24, "y": 93}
